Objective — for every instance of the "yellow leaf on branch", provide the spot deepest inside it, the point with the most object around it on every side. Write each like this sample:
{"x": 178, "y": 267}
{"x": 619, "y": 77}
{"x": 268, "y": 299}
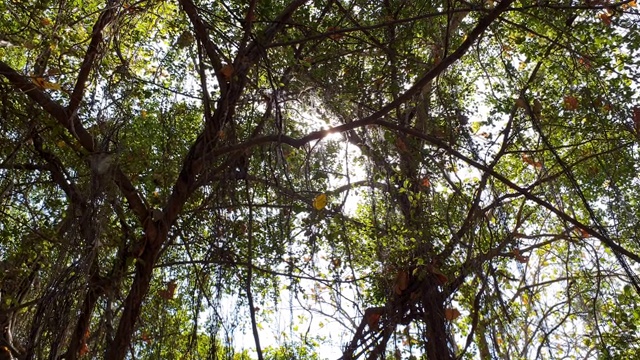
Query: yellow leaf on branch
{"x": 44, "y": 84}
{"x": 451, "y": 314}
{"x": 320, "y": 202}
{"x": 570, "y": 102}
{"x": 606, "y": 19}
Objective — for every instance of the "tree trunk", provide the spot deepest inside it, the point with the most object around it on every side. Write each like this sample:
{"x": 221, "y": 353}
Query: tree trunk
{"x": 96, "y": 290}
{"x": 156, "y": 235}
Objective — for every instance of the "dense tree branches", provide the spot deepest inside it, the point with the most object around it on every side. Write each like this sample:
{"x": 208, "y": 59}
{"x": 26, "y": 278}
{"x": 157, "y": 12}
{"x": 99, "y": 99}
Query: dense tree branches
{"x": 391, "y": 177}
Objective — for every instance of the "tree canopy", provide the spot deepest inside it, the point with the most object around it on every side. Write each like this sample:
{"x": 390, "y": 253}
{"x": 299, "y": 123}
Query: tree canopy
{"x": 289, "y": 179}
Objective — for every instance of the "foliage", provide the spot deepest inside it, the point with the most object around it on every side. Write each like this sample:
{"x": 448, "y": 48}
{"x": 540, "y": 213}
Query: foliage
{"x": 429, "y": 179}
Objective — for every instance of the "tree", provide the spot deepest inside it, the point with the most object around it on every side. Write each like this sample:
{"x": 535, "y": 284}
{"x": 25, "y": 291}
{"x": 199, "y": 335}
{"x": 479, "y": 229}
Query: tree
{"x": 171, "y": 172}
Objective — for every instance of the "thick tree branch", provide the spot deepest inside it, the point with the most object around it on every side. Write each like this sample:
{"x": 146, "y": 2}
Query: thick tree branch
{"x": 524, "y": 191}
{"x": 92, "y": 52}
{"x": 195, "y": 160}
{"x": 365, "y": 28}
{"x": 72, "y": 123}
{"x": 56, "y": 170}
{"x": 480, "y": 28}
{"x": 212, "y": 50}
{"x": 156, "y": 231}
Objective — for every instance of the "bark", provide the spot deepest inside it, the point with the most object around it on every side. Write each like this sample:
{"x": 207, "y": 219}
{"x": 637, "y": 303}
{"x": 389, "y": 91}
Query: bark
{"x": 156, "y": 235}
{"x": 437, "y": 335}
{"x": 96, "y": 290}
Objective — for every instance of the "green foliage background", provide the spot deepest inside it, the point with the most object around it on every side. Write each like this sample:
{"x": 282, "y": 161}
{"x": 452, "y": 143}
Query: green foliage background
{"x": 161, "y": 162}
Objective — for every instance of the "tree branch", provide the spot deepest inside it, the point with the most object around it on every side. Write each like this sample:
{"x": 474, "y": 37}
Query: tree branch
{"x": 480, "y": 28}
{"x": 213, "y": 52}
{"x": 72, "y": 123}
{"x": 92, "y": 52}
{"x": 526, "y": 193}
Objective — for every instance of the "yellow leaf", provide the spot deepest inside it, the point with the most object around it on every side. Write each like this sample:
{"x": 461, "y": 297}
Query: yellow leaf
{"x": 334, "y": 33}
{"x": 146, "y": 338}
{"x": 84, "y": 350}
{"x": 227, "y": 71}
{"x": 402, "y": 282}
{"x": 44, "y": 84}
{"x": 401, "y": 145}
{"x": 571, "y": 102}
{"x": 583, "y": 233}
{"x": 52, "y": 86}
{"x": 530, "y": 161}
{"x": 169, "y": 292}
{"x": 39, "y": 82}
{"x": 585, "y": 62}
{"x": 636, "y": 119}
{"x": 451, "y": 314}
{"x": 442, "y": 278}
{"x": 320, "y": 201}
{"x": 537, "y": 107}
